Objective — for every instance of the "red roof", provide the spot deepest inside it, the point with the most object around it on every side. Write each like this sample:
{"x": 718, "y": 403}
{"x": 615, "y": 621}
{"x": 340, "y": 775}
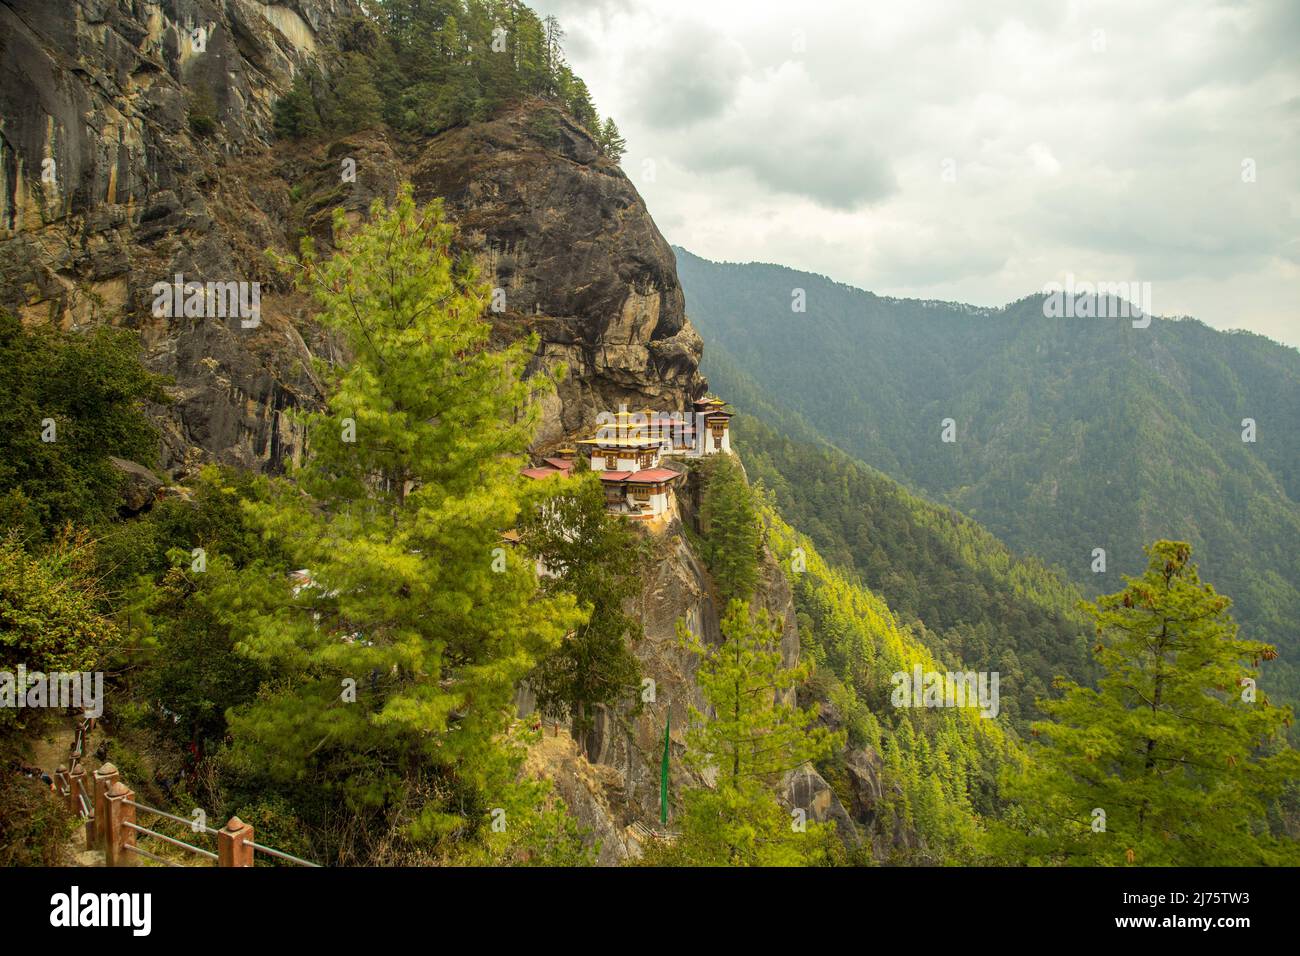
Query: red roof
{"x": 564, "y": 464}
{"x": 615, "y": 475}
{"x": 544, "y": 472}
{"x": 653, "y": 476}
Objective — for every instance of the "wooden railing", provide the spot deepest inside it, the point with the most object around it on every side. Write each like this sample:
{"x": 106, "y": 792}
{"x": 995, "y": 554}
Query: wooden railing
{"x": 108, "y": 808}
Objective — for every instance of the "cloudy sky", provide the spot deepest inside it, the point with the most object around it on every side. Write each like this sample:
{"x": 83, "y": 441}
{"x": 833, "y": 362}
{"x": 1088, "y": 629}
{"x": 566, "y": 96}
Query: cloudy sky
{"x": 971, "y": 150}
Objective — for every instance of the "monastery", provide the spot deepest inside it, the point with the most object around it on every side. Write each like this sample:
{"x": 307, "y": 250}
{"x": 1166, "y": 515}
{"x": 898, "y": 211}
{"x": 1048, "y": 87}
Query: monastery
{"x": 629, "y": 449}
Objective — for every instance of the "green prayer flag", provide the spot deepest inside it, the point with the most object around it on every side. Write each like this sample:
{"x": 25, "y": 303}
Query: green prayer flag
{"x": 663, "y": 776}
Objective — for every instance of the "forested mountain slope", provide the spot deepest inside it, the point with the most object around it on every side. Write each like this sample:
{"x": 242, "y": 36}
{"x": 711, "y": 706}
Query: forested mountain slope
{"x": 967, "y": 596}
{"x": 1070, "y": 434}
{"x": 923, "y": 781}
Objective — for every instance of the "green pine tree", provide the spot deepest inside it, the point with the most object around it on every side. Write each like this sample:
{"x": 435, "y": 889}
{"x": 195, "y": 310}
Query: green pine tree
{"x": 732, "y": 529}
{"x": 754, "y": 731}
{"x": 295, "y": 112}
{"x": 752, "y": 736}
{"x": 357, "y": 103}
{"x": 597, "y": 559}
{"x": 611, "y": 141}
{"x": 1169, "y": 761}
{"x": 396, "y": 663}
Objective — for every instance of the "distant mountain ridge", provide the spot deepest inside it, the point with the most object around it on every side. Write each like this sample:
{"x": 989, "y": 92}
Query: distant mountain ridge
{"x": 1070, "y": 434}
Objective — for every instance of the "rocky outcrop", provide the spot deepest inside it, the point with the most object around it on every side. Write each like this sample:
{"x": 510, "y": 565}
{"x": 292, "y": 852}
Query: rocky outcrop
{"x": 586, "y": 790}
{"x": 564, "y": 234}
{"x": 807, "y": 790}
{"x": 131, "y": 135}
{"x": 628, "y": 745}
{"x": 136, "y": 145}
{"x": 139, "y": 485}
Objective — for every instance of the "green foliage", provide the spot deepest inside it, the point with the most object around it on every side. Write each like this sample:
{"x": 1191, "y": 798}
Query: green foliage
{"x": 753, "y": 730}
{"x": 596, "y": 558}
{"x": 939, "y": 767}
{"x": 732, "y": 534}
{"x": 412, "y": 477}
{"x": 51, "y": 618}
{"x": 194, "y": 676}
{"x": 752, "y": 735}
{"x": 611, "y": 141}
{"x": 1072, "y": 434}
{"x": 743, "y": 825}
{"x": 356, "y": 103}
{"x": 93, "y": 388}
{"x": 1183, "y": 767}
{"x": 424, "y": 66}
{"x": 295, "y": 112}
{"x": 965, "y": 594}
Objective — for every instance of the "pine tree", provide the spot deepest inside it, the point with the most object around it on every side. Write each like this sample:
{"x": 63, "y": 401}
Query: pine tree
{"x": 611, "y": 141}
{"x": 295, "y": 112}
{"x": 357, "y": 103}
{"x": 731, "y": 524}
{"x": 1171, "y": 760}
{"x": 596, "y": 558}
{"x": 396, "y": 660}
{"x": 751, "y": 738}
{"x": 92, "y": 389}
{"x": 753, "y": 732}
{"x": 744, "y": 825}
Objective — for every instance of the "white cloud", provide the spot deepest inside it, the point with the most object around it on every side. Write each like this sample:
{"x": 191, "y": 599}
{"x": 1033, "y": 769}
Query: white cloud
{"x": 1100, "y": 138}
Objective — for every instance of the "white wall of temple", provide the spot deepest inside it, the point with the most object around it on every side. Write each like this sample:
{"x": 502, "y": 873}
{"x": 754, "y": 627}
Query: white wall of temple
{"x": 658, "y": 503}
{"x": 623, "y": 461}
{"x": 712, "y": 446}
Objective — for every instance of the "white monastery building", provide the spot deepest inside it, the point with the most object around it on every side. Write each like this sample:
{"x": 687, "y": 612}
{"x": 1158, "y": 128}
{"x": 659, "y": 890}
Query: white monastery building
{"x": 628, "y": 450}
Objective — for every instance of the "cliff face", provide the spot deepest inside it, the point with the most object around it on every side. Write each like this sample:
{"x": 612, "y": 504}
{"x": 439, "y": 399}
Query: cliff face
{"x": 610, "y": 779}
{"x": 109, "y": 185}
{"x": 111, "y": 181}
{"x": 568, "y": 239}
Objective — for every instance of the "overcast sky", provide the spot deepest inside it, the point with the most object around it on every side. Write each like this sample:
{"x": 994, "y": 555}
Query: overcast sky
{"x": 971, "y": 150}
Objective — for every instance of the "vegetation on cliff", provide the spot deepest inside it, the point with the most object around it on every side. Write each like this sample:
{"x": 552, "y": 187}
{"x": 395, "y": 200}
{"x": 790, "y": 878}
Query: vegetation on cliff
{"x": 424, "y": 66}
{"x": 596, "y": 558}
{"x": 71, "y": 403}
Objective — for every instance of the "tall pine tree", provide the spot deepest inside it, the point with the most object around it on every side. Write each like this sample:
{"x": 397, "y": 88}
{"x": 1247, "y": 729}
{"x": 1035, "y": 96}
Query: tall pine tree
{"x": 733, "y": 534}
{"x": 1175, "y": 758}
{"x": 596, "y": 558}
{"x": 751, "y": 738}
{"x": 397, "y": 653}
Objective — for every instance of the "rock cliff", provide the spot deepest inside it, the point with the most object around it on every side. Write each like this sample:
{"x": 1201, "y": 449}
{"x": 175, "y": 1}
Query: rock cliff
{"x": 136, "y": 144}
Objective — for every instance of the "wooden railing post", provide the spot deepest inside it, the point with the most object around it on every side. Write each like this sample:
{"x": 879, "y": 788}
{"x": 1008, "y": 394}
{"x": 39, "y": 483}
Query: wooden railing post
{"x": 77, "y": 792}
{"x": 117, "y": 836}
{"x": 64, "y": 786}
{"x": 105, "y": 777}
{"x": 235, "y": 844}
